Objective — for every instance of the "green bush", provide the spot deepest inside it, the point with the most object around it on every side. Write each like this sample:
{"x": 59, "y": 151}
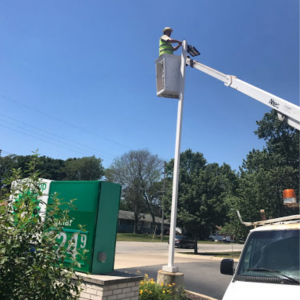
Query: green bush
{"x": 150, "y": 290}
{"x": 31, "y": 263}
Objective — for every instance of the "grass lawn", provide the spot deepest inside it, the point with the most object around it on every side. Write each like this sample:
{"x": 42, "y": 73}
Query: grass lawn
{"x": 234, "y": 254}
{"x": 131, "y": 237}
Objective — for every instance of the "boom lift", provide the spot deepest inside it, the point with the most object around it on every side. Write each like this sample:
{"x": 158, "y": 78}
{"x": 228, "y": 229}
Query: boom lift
{"x": 286, "y": 111}
{"x": 168, "y": 74}
{"x": 170, "y": 79}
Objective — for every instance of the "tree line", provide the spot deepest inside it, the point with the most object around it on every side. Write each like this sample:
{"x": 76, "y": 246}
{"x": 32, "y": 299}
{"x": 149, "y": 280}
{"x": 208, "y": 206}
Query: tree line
{"x": 209, "y": 194}
{"x": 85, "y": 168}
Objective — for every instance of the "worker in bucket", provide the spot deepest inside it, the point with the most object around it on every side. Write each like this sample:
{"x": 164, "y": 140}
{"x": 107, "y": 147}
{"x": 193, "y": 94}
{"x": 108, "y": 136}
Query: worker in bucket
{"x": 166, "y": 41}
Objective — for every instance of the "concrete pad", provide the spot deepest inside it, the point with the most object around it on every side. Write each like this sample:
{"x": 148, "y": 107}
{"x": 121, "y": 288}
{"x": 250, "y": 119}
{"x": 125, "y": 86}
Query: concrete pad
{"x": 170, "y": 278}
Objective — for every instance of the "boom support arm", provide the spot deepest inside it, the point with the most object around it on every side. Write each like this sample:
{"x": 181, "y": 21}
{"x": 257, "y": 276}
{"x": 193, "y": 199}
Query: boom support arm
{"x": 286, "y": 111}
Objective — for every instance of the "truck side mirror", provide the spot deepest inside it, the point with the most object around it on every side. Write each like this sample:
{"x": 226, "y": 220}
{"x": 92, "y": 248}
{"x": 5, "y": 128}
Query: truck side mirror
{"x": 226, "y": 266}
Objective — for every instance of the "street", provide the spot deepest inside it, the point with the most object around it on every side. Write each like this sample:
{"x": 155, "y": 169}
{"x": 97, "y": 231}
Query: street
{"x": 202, "y": 277}
{"x": 141, "y": 247}
{"x": 201, "y": 274}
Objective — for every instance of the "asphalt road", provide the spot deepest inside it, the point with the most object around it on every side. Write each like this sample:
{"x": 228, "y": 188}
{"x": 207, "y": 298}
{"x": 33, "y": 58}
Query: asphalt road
{"x": 145, "y": 247}
{"x": 201, "y": 274}
{"x": 202, "y": 277}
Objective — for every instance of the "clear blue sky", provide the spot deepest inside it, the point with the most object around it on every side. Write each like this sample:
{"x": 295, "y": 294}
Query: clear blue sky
{"x": 77, "y": 78}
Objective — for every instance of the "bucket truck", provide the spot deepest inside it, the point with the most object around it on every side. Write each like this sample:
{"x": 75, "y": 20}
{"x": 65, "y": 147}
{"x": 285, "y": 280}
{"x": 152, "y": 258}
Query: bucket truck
{"x": 168, "y": 77}
{"x": 269, "y": 266}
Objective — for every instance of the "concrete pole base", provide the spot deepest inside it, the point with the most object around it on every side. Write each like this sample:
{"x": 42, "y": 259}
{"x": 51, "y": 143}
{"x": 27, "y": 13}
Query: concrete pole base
{"x": 169, "y": 278}
{"x": 170, "y": 269}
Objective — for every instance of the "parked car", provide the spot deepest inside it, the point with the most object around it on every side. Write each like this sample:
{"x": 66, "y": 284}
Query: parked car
{"x": 221, "y": 237}
{"x": 184, "y": 241}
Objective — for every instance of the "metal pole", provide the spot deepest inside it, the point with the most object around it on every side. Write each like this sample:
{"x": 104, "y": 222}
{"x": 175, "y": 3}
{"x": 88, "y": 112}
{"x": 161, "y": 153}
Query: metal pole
{"x": 162, "y": 205}
{"x": 170, "y": 267}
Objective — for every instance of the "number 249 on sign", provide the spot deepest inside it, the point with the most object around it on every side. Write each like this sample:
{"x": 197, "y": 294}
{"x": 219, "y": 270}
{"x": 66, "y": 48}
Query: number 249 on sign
{"x": 75, "y": 239}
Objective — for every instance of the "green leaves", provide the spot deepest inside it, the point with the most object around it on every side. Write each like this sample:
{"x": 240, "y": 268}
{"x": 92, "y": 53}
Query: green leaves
{"x": 265, "y": 174}
{"x": 30, "y": 263}
{"x": 85, "y": 168}
{"x": 201, "y": 194}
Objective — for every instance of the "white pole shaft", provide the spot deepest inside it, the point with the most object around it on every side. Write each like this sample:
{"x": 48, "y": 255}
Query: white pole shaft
{"x": 171, "y": 267}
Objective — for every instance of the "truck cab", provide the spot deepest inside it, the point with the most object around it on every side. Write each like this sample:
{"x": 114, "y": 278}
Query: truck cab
{"x": 269, "y": 266}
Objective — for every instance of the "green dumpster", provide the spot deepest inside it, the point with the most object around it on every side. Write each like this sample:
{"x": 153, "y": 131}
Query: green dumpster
{"x": 97, "y": 204}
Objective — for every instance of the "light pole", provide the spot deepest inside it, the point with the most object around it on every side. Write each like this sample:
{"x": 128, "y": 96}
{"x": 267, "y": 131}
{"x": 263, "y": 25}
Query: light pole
{"x": 171, "y": 267}
{"x": 162, "y": 205}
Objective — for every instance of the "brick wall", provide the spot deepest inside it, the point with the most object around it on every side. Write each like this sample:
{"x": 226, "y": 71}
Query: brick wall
{"x": 111, "y": 290}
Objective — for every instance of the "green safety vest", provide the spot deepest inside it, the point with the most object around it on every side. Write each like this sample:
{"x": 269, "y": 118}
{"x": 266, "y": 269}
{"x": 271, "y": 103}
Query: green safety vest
{"x": 165, "y": 47}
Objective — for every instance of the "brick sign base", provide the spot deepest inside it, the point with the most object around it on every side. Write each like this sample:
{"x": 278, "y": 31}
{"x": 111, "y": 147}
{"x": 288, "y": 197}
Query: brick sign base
{"x": 113, "y": 286}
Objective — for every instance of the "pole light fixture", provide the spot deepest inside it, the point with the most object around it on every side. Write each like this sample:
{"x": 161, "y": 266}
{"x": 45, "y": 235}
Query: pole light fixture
{"x": 192, "y": 51}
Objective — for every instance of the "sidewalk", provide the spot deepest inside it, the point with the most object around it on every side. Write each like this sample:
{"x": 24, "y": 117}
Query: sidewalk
{"x": 195, "y": 296}
{"x": 126, "y": 260}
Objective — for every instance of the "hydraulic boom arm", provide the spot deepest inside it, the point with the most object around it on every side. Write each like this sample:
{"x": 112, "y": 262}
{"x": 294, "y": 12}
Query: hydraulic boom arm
{"x": 286, "y": 111}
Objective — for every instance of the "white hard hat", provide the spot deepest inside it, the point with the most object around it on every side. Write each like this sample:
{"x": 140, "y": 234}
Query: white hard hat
{"x": 167, "y": 28}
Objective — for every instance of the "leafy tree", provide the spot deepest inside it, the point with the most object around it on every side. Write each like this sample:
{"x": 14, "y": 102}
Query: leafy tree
{"x": 49, "y": 168}
{"x": 189, "y": 201}
{"x": 138, "y": 172}
{"x": 31, "y": 263}
{"x": 280, "y": 139}
{"x": 124, "y": 205}
{"x": 85, "y": 168}
{"x": 7, "y": 163}
{"x": 201, "y": 193}
{"x": 266, "y": 173}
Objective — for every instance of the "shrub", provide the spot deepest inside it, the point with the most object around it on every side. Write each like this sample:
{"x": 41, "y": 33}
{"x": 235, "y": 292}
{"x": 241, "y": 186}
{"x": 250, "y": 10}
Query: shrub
{"x": 31, "y": 263}
{"x": 150, "y": 290}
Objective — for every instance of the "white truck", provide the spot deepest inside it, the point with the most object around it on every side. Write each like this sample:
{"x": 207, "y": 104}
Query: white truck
{"x": 269, "y": 264}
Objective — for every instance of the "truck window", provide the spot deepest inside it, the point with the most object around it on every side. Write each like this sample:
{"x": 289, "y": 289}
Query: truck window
{"x": 274, "y": 250}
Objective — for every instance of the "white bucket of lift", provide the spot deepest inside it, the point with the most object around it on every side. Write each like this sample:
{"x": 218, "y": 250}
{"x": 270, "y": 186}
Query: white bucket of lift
{"x": 168, "y": 76}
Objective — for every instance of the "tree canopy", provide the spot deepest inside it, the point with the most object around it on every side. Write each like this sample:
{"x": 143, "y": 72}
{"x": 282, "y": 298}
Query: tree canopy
{"x": 85, "y": 168}
{"x": 265, "y": 173}
{"x": 209, "y": 194}
{"x": 201, "y": 192}
{"x": 138, "y": 171}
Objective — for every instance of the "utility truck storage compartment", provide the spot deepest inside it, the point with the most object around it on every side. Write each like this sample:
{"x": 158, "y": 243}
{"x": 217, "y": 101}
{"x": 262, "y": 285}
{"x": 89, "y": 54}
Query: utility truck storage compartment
{"x": 168, "y": 76}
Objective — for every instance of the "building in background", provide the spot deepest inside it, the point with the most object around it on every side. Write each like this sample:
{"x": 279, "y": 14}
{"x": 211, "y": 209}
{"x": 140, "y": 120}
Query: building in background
{"x": 126, "y": 223}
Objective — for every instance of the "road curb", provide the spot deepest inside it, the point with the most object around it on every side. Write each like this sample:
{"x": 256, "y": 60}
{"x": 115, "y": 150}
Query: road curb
{"x": 206, "y": 257}
{"x": 196, "y": 296}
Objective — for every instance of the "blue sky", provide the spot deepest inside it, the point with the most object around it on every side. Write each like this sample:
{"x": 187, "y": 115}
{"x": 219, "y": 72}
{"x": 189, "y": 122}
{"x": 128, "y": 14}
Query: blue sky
{"x": 77, "y": 78}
